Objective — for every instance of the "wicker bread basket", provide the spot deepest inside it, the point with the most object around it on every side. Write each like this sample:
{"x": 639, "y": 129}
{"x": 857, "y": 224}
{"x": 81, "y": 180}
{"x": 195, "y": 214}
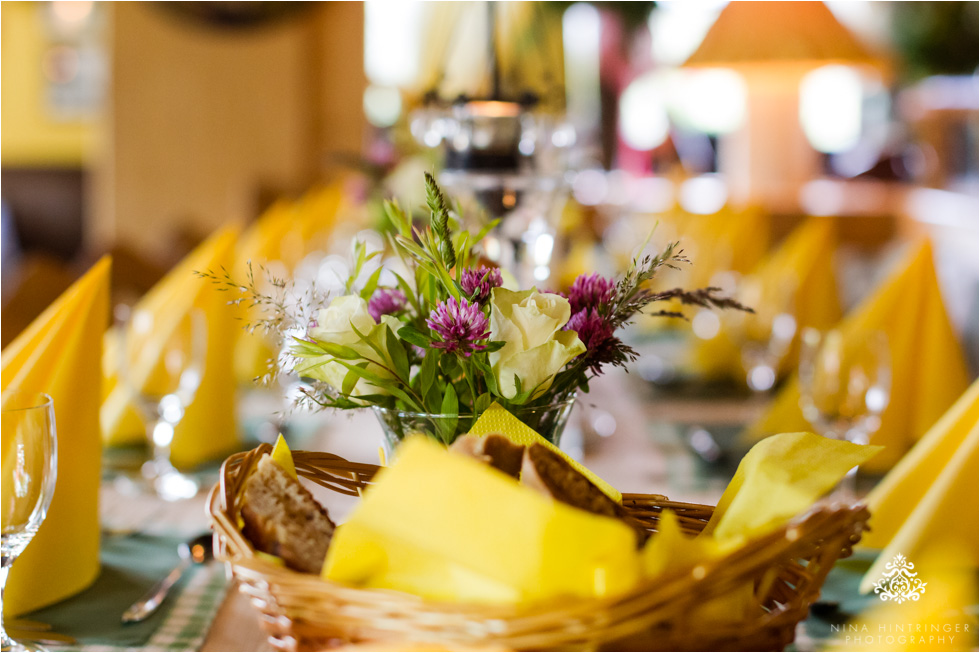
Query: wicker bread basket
{"x": 303, "y": 612}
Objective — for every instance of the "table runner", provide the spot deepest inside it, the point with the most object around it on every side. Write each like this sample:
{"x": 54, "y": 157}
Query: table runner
{"x": 130, "y": 566}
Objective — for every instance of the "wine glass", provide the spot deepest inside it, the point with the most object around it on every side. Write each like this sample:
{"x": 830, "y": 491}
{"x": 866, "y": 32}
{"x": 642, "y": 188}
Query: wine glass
{"x": 161, "y": 362}
{"x": 765, "y": 336}
{"x": 30, "y": 467}
{"x": 844, "y": 386}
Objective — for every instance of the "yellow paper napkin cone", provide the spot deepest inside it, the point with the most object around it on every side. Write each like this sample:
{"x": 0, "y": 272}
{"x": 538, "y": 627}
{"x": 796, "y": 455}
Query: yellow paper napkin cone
{"x": 941, "y": 617}
{"x": 60, "y": 354}
{"x": 208, "y": 429}
{"x": 283, "y": 236}
{"x": 928, "y": 372}
{"x": 779, "y": 478}
{"x": 727, "y": 241}
{"x": 723, "y": 242}
{"x": 117, "y": 409}
{"x": 893, "y": 500}
{"x": 447, "y": 527}
{"x": 496, "y": 419}
{"x": 259, "y": 246}
{"x": 797, "y": 279}
{"x": 946, "y": 512}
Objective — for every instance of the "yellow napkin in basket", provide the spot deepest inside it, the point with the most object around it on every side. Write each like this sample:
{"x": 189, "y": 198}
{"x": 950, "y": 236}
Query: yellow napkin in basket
{"x": 797, "y": 278}
{"x": 779, "y": 478}
{"x": 927, "y": 366}
{"x": 60, "y": 354}
{"x": 496, "y": 419}
{"x": 284, "y": 457}
{"x": 446, "y": 527}
{"x": 208, "y": 428}
{"x": 670, "y": 551}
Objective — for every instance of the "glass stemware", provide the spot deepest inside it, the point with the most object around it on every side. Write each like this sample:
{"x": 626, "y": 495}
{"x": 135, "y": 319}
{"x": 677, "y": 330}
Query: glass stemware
{"x": 844, "y": 386}
{"x": 765, "y": 336}
{"x": 30, "y": 468}
{"x": 161, "y": 362}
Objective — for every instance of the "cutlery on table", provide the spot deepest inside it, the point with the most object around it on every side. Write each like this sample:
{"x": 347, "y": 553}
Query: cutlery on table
{"x": 38, "y": 632}
{"x": 194, "y": 552}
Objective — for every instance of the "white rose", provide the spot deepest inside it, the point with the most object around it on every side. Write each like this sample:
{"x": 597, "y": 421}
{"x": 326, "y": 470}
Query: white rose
{"x": 336, "y": 324}
{"x": 536, "y": 348}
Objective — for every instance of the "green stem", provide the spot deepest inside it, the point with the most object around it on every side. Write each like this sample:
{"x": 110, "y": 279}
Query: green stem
{"x": 406, "y": 384}
{"x": 469, "y": 382}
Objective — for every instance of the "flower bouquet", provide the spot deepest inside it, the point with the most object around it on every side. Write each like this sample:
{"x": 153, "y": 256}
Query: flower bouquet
{"x": 451, "y": 336}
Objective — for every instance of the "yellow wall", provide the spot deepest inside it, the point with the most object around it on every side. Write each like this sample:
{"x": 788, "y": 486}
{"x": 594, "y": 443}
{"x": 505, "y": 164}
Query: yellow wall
{"x": 29, "y": 136}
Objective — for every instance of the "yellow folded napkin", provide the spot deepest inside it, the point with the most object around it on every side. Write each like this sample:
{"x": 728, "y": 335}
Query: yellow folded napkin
{"x": 928, "y": 371}
{"x": 117, "y": 409}
{"x": 284, "y": 457}
{"x": 208, "y": 429}
{"x": 670, "y": 551}
{"x": 496, "y": 419}
{"x": 931, "y": 494}
{"x": 727, "y": 241}
{"x": 450, "y": 528}
{"x": 290, "y": 230}
{"x": 60, "y": 354}
{"x": 894, "y": 498}
{"x": 488, "y": 539}
{"x": 319, "y": 212}
{"x": 284, "y": 235}
{"x": 259, "y": 246}
{"x": 938, "y": 615}
{"x": 798, "y": 279}
{"x": 779, "y": 478}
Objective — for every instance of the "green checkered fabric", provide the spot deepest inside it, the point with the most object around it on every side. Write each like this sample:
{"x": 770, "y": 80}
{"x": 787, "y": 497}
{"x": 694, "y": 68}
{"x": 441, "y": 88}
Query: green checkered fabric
{"x": 186, "y": 625}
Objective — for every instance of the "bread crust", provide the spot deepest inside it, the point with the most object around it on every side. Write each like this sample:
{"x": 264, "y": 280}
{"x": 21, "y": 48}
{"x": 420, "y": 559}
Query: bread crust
{"x": 493, "y": 449}
{"x": 547, "y": 472}
{"x": 283, "y": 519}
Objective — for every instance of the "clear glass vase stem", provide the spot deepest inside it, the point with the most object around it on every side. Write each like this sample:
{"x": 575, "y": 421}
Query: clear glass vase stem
{"x": 7, "y": 643}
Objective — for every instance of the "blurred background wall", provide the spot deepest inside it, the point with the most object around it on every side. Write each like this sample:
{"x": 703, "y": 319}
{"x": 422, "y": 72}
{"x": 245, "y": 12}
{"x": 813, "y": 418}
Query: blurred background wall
{"x": 136, "y": 128}
{"x": 184, "y": 118}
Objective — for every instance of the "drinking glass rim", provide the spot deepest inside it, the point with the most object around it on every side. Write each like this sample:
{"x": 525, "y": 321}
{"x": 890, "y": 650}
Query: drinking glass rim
{"x": 407, "y": 413}
{"x": 46, "y": 402}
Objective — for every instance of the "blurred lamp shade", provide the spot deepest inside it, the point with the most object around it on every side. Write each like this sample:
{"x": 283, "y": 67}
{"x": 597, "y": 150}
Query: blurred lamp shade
{"x": 753, "y": 33}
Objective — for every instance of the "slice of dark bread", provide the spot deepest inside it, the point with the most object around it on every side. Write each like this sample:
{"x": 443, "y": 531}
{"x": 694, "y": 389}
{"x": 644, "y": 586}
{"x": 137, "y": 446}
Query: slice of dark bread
{"x": 547, "y": 472}
{"x": 283, "y": 519}
{"x": 494, "y": 449}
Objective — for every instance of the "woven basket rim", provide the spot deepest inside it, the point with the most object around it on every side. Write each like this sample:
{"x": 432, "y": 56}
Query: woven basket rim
{"x": 854, "y": 515}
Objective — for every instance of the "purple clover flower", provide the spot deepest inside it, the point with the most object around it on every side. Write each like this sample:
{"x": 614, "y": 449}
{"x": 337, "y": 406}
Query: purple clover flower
{"x": 596, "y": 334}
{"x": 474, "y": 281}
{"x": 591, "y": 292}
{"x": 460, "y": 325}
{"x": 386, "y": 301}
{"x": 592, "y": 329}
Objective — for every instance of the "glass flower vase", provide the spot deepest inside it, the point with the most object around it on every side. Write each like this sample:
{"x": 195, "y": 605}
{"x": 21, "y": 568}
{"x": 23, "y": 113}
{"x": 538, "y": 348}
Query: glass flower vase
{"x": 396, "y": 425}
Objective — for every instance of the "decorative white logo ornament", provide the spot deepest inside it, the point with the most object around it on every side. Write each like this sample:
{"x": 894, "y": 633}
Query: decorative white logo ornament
{"x": 899, "y": 583}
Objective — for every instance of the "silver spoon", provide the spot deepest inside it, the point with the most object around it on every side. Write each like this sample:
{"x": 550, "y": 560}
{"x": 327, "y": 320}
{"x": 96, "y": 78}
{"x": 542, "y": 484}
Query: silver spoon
{"x": 196, "y": 551}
